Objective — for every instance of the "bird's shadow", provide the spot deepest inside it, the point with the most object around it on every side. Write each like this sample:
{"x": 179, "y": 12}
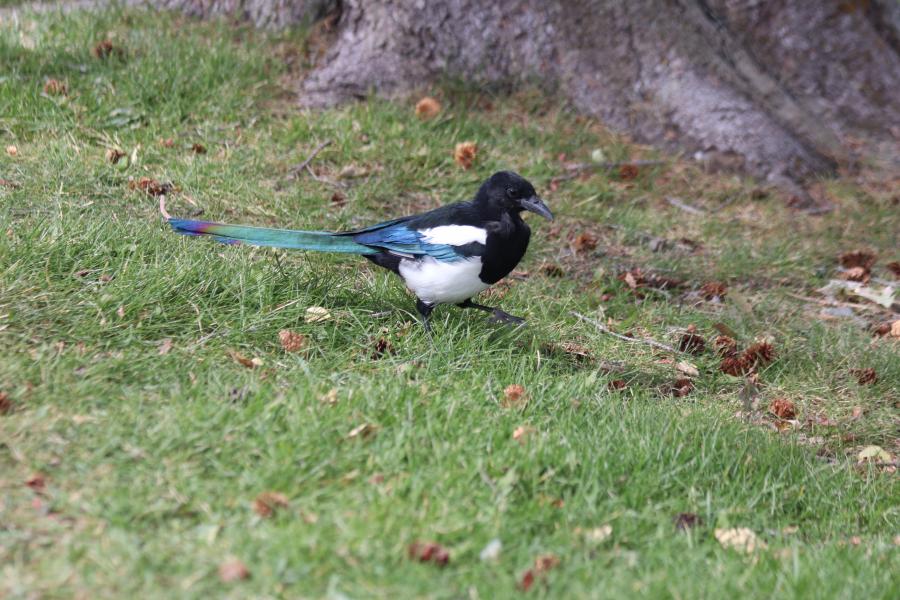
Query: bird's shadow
{"x": 383, "y": 309}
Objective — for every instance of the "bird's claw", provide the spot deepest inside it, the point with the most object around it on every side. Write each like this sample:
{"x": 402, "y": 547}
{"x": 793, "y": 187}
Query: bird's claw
{"x": 498, "y": 316}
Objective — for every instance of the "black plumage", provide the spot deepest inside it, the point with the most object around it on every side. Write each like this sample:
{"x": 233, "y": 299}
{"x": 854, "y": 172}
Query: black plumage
{"x": 446, "y": 255}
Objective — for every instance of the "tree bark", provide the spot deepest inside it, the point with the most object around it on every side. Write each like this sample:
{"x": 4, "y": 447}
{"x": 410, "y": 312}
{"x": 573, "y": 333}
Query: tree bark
{"x": 782, "y": 90}
{"x": 274, "y": 14}
{"x": 785, "y": 91}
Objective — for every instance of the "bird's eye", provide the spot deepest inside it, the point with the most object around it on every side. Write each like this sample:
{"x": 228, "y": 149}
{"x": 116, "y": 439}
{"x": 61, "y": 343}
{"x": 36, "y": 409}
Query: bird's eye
{"x": 511, "y": 192}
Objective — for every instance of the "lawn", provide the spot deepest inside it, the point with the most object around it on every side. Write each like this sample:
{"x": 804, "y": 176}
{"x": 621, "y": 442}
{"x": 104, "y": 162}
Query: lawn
{"x": 157, "y": 440}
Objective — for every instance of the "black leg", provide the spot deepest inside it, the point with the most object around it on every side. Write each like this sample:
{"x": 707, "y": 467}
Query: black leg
{"x": 498, "y": 315}
{"x": 425, "y": 309}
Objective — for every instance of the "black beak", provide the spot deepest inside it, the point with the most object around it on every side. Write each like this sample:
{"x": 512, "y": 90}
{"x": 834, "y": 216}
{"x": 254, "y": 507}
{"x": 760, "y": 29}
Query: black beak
{"x": 536, "y": 205}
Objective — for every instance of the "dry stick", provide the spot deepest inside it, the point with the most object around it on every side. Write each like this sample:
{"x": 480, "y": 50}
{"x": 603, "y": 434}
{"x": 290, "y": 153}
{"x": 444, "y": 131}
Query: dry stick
{"x": 625, "y": 338}
{"x": 577, "y": 169}
{"x": 299, "y": 168}
{"x": 678, "y": 203}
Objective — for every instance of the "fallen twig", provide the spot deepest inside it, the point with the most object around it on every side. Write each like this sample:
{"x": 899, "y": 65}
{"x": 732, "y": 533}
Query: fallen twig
{"x": 625, "y": 338}
{"x": 335, "y": 184}
{"x": 296, "y": 171}
{"x": 678, "y": 203}
{"x": 577, "y": 169}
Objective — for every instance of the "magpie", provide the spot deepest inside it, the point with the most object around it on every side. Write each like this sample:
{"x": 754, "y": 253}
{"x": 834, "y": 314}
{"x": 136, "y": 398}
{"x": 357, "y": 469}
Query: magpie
{"x": 444, "y": 256}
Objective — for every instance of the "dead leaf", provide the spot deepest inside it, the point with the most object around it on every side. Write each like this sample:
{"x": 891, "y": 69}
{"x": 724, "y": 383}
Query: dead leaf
{"x": 894, "y": 267}
{"x": 760, "y": 353}
{"x": 317, "y": 314}
{"x": 338, "y": 199}
{"x": 198, "y": 149}
{"x": 858, "y": 258}
{"x": 491, "y": 551}
{"x": 741, "y": 539}
{"x": 545, "y": 562}
{"x": 883, "y": 297}
{"x": 783, "y": 408}
{"x": 685, "y": 521}
{"x": 12, "y": 150}
{"x": 630, "y": 280}
{"x": 895, "y": 329}
{"x": 681, "y": 387}
{"x": 362, "y": 431}
{"x": 104, "y": 49}
{"x": 628, "y": 172}
{"x": 691, "y": 342}
{"x": 37, "y": 482}
{"x": 54, "y": 87}
{"x": 735, "y": 366}
{"x": 331, "y": 398}
{"x": 585, "y": 241}
{"x": 428, "y": 108}
{"x": 865, "y": 376}
{"x": 250, "y": 363}
{"x": 233, "y": 570}
{"x": 713, "y": 290}
{"x": 575, "y": 349}
{"x": 151, "y": 186}
{"x": 526, "y": 580}
{"x": 267, "y": 503}
{"x": 291, "y": 341}
{"x": 687, "y": 369}
{"x": 464, "y": 154}
{"x": 856, "y": 274}
{"x": 724, "y": 330}
{"x": 165, "y": 346}
{"x": 514, "y": 396}
{"x": 522, "y": 432}
{"x": 636, "y": 278}
{"x": 598, "y": 535}
{"x": 353, "y": 172}
{"x": 552, "y": 270}
{"x": 114, "y": 155}
{"x": 725, "y": 346}
{"x": 167, "y": 142}
{"x": 382, "y": 347}
{"x": 617, "y": 384}
{"x": 6, "y": 404}
{"x": 873, "y": 454}
{"x": 429, "y": 552}
{"x": 571, "y": 348}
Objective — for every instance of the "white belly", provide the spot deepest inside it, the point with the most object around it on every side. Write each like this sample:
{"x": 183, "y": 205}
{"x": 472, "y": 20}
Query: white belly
{"x": 438, "y": 282}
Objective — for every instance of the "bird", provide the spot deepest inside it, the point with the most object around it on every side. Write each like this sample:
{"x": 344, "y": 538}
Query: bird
{"x": 444, "y": 256}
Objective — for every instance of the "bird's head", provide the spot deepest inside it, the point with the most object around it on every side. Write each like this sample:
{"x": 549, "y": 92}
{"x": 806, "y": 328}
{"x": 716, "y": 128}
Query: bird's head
{"x": 508, "y": 191}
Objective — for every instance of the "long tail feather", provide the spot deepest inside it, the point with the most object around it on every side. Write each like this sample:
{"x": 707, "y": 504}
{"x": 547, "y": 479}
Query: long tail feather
{"x": 275, "y": 238}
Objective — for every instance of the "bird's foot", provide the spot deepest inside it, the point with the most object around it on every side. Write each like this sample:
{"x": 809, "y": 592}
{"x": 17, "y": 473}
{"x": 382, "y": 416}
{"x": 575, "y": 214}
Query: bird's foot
{"x": 498, "y": 316}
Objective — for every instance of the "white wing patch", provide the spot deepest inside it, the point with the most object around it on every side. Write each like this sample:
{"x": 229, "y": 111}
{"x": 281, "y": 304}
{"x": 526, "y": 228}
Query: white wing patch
{"x": 440, "y": 282}
{"x": 454, "y": 235}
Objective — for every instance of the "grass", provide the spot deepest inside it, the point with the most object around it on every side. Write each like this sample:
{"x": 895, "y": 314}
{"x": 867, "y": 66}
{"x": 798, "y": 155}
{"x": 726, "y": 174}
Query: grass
{"x": 153, "y": 441}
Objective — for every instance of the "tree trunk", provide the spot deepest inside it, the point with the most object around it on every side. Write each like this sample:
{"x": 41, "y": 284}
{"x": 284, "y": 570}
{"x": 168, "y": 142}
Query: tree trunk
{"x": 782, "y": 90}
{"x": 274, "y": 14}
